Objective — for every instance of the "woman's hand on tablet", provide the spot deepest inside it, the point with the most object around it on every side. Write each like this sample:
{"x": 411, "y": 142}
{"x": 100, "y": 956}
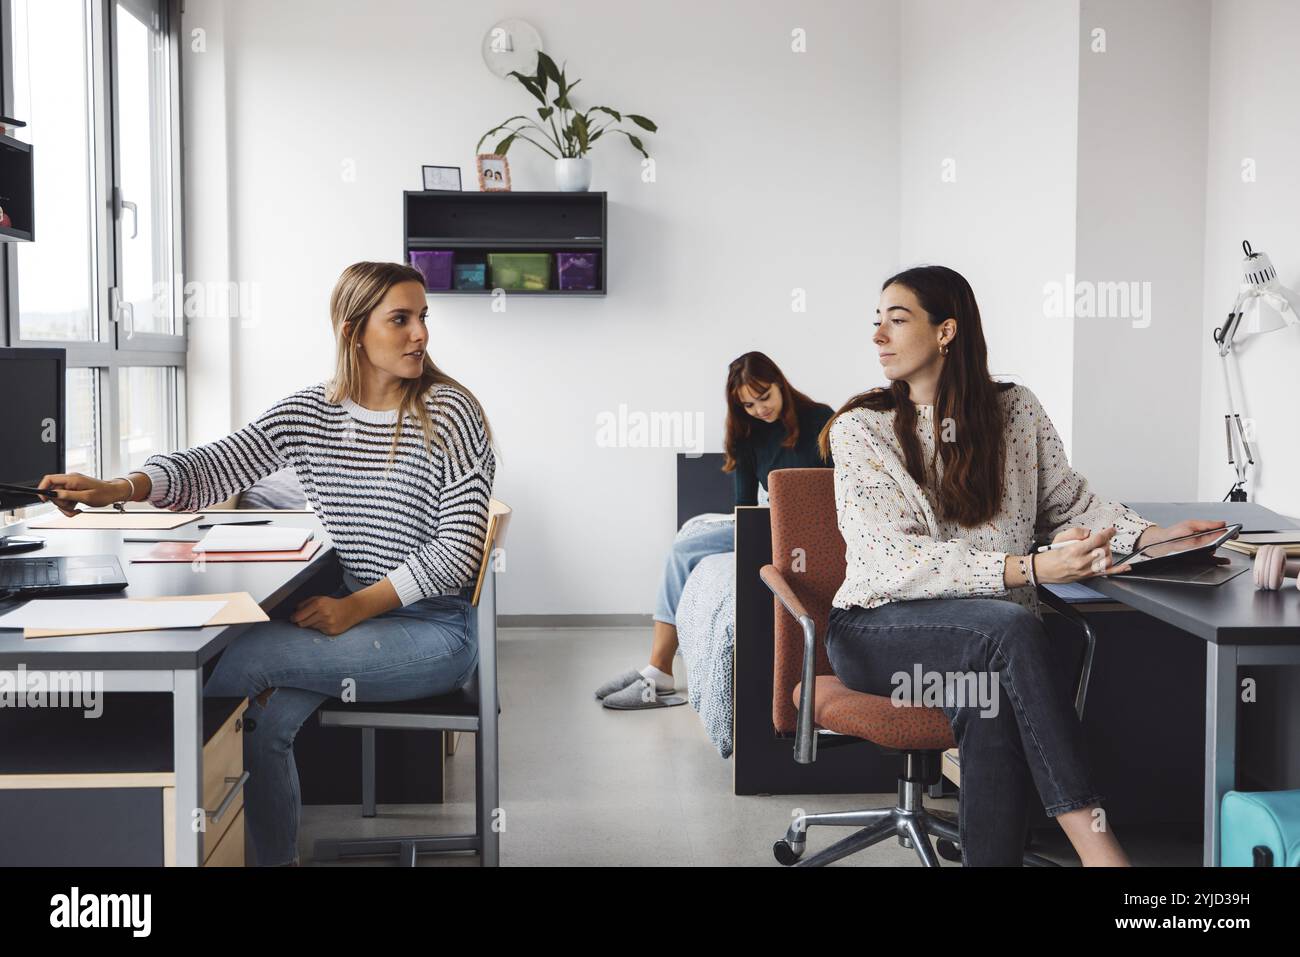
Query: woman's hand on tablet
{"x": 1188, "y": 526}
{"x": 1085, "y": 556}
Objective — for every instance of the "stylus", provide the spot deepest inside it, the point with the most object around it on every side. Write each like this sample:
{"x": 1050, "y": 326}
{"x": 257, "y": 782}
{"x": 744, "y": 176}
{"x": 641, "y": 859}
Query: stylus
{"x": 1052, "y": 548}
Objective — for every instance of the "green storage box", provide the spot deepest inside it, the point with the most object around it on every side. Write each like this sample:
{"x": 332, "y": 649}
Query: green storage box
{"x": 520, "y": 270}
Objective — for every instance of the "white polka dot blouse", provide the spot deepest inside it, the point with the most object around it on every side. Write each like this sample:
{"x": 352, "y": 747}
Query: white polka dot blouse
{"x": 898, "y": 550}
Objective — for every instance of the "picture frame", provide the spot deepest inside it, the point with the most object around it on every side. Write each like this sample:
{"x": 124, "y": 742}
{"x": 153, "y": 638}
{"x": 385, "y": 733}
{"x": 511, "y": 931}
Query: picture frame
{"x": 493, "y": 173}
{"x": 441, "y": 179}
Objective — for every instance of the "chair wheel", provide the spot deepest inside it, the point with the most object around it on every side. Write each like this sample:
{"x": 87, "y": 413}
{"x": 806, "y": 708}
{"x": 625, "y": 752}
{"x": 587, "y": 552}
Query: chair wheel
{"x": 787, "y": 853}
{"x": 948, "y": 850}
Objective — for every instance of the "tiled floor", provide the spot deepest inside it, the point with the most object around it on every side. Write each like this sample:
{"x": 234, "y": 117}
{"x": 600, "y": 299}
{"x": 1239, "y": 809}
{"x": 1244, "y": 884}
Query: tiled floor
{"x": 584, "y": 785}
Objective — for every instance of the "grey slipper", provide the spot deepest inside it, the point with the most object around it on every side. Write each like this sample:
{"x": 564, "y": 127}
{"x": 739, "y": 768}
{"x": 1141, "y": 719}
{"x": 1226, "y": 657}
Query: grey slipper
{"x": 618, "y": 684}
{"x": 640, "y": 696}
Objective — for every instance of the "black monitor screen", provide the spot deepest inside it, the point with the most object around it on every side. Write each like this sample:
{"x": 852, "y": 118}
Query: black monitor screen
{"x": 31, "y": 419}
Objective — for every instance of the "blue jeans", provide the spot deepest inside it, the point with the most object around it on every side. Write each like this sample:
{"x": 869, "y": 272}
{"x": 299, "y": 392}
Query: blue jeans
{"x": 1032, "y": 735}
{"x": 429, "y": 647}
{"x": 686, "y": 553}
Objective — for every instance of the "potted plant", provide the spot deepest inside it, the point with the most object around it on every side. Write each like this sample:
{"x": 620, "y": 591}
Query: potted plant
{"x": 562, "y": 131}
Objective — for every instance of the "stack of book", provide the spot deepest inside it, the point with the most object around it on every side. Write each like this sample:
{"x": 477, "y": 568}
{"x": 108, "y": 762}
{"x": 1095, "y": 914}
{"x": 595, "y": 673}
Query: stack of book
{"x": 1248, "y": 542}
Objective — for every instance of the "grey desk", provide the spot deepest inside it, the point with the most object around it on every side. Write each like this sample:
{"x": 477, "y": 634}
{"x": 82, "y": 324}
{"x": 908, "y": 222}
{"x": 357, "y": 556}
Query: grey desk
{"x": 163, "y": 661}
{"x": 1241, "y": 627}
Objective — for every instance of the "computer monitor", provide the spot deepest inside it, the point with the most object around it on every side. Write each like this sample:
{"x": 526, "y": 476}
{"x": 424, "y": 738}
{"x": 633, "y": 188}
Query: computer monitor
{"x": 32, "y": 437}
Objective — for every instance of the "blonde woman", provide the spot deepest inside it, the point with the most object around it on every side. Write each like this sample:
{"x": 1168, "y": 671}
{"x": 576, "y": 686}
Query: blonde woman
{"x": 396, "y": 459}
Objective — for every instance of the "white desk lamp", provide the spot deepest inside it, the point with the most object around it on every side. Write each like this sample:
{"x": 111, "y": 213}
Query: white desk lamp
{"x": 1263, "y": 305}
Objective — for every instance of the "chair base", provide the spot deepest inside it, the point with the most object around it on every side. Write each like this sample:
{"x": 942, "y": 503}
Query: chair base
{"x": 909, "y": 821}
{"x": 406, "y": 849}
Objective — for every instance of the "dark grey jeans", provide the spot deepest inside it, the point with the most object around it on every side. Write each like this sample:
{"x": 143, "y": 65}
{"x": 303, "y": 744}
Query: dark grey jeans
{"x": 1024, "y": 728}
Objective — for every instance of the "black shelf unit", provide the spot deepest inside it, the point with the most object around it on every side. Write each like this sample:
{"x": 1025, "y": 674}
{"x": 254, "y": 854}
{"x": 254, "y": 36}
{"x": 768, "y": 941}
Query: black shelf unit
{"x": 472, "y": 225}
{"x": 17, "y": 194}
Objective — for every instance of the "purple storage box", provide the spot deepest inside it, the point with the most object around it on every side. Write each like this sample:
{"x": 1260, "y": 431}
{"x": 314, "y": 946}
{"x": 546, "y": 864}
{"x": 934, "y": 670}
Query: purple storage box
{"x": 577, "y": 270}
{"x": 434, "y": 266}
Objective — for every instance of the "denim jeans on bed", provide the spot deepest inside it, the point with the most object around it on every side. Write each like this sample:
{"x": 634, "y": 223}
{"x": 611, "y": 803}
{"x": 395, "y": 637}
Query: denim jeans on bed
{"x": 429, "y": 647}
{"x": 686, "y": 553}
{"x": 1034, "y": 735}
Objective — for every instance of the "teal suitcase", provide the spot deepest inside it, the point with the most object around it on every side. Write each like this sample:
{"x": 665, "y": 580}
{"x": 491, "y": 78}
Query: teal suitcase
{"x": 1260, "y": 829}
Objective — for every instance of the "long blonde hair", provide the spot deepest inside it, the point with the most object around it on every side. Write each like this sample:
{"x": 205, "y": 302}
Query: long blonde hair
{"x": 360, "y": 289}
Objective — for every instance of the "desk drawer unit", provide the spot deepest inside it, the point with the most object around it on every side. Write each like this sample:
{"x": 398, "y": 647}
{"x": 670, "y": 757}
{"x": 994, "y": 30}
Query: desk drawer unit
{"x": 85, "y": 792}
{"x": 223, "y": 792}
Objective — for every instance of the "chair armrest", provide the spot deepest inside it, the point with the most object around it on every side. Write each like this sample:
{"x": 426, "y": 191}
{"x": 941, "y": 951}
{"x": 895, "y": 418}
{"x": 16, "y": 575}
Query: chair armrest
{"x": 1089, "y": 640}
{"x": 805, "y": 741}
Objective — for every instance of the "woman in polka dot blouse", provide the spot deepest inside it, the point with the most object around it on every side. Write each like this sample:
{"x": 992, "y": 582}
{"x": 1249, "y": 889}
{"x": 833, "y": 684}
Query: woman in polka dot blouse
{"x": 944, "y": 481}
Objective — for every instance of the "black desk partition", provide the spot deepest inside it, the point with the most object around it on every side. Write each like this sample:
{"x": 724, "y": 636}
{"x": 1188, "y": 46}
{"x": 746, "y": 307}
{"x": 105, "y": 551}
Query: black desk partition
{"x": 702, "y": 486}
{"x": 765, "y": 762}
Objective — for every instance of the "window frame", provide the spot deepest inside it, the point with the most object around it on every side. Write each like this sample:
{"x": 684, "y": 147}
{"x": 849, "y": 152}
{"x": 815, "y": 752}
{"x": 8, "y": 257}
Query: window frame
{"x": 113, "y": 349}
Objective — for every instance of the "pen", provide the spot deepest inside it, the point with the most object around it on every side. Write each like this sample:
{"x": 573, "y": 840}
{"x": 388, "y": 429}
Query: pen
{"x": 160, "y": 539}
{"x": 251, "y": 521}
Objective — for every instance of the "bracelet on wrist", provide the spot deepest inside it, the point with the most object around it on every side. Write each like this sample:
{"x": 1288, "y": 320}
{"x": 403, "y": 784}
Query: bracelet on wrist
{"x": 130, "y": 496}
{"x": 1033, "y": 571}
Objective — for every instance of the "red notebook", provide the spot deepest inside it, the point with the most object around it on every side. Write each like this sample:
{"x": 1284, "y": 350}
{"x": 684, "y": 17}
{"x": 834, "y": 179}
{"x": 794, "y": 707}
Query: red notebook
{"x": 184, "y": 552}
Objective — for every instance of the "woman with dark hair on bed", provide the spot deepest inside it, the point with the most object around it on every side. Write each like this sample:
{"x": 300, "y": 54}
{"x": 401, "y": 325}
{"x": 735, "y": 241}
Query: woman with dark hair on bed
{"x": 770, "y": 425}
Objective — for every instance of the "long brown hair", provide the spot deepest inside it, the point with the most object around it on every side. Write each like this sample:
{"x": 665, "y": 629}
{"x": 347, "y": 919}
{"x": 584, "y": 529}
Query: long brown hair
{"x": 757, "y": 371}
{"x": 970, "y": 491}
{"x": 359, "y": 290}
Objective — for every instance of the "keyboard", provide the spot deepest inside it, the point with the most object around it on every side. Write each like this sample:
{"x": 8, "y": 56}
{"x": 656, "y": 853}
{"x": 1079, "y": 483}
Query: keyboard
{"x": 29, "y": 573}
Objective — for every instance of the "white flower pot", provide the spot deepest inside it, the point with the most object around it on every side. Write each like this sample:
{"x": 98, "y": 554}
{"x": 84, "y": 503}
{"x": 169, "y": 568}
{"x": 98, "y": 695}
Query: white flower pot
{"x": 573, "y": 175}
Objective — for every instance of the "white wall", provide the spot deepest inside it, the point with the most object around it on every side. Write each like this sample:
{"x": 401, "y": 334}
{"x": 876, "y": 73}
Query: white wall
{"x": 990, "y": 87}
{"x": 1141, "y": 204}
{"x": 702, "y": 261}
{"x": 1063, "y": 165}
{"x": 1253, "y": 116}
{"x": 210, "y": 384}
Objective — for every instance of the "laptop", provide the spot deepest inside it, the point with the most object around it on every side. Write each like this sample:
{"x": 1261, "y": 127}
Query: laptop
{"x": 71, "y": 575}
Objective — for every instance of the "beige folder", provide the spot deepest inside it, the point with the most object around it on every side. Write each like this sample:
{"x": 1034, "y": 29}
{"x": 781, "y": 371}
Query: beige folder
{"x": 156, "y": 520}
{"x": 239, "y": 609}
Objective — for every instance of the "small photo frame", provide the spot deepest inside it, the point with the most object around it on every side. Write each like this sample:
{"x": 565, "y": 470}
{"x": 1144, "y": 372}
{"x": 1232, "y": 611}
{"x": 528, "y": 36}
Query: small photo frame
{"x": 441, "y": 178}
{"x": 493, "y": 173}
{"x": 445, "y": 179}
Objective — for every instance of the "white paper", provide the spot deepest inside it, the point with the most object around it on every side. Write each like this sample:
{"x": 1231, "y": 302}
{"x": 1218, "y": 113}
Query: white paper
{"x": 253, "y": 538}
{"x": 67, "y": 613}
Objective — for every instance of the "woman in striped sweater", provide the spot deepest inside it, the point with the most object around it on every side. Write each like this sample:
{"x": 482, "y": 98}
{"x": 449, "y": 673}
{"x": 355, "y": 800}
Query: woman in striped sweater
{"x": 396, "y": 460}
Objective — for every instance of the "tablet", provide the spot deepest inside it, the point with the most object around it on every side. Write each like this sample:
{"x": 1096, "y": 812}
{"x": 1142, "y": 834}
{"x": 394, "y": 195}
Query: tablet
{"x": 1177, "y": 550}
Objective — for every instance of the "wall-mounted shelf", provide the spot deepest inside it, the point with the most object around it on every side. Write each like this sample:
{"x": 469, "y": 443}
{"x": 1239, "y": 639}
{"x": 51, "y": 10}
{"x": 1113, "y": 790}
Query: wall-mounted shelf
{"x": 472, "y": 225}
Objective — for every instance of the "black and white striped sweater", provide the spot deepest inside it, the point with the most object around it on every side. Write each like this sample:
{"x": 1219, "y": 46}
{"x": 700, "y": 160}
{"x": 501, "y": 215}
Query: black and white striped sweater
{"x": 421, "y": 521}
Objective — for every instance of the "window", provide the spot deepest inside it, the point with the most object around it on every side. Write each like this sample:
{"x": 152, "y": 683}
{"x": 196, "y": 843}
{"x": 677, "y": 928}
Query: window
{"x": 96, "y": 82}
{"x": 52, "y": 93}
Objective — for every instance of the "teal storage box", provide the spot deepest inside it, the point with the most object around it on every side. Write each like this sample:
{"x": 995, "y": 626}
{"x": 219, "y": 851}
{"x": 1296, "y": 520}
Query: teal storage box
{"x": 469, "y": 275}
{"x": 1260, "y": 819}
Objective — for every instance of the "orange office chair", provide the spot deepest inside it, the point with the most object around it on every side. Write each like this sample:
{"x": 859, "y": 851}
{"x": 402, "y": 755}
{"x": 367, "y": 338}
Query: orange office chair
{"x": 809, "y": 702}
